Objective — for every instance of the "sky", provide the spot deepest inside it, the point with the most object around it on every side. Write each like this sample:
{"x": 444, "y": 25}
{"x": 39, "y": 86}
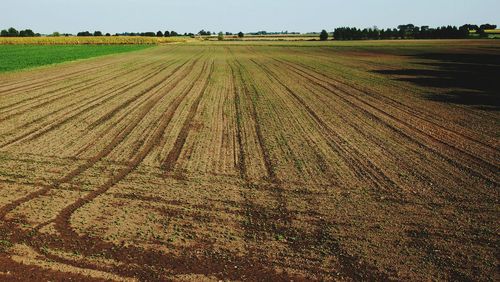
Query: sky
{"x": 72, "y": 16}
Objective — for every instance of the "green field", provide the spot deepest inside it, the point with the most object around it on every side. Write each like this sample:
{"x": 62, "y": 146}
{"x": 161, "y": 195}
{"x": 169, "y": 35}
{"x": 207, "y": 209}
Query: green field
{"x": 16, "y": 57}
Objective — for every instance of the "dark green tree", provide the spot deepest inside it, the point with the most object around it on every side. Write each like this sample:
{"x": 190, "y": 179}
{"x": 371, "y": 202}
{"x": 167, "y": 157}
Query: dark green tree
{"x": 241, "y": 35}
{"x": 13, "y": 32}
{"x": 159, "y": 34}
{"x": 84, "y": 33}
{"x": 323, "y": 35}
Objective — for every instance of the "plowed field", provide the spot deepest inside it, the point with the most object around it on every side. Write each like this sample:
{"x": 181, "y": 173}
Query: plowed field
{"x": 220, "y": 161}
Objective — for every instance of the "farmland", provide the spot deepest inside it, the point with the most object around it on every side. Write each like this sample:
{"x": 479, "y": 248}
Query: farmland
{"x": 254, "y": 161}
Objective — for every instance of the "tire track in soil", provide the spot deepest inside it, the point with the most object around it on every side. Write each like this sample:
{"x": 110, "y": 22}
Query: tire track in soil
{"x": 418, "y": 132}
{"x": 409, "y": 168}
{"x": 350, "y": 266}
{"x": 74, "y": 82}
{"x": 62, "y": 220}
{"x": 90, "y": 162}
{"x": 60, "y": 96}
{"x": 33, "y": 134}
{"x": 260, "y": 220}
{"x": 43, "y": 84}
{"x": 352, "y": 156}
{"x": 112, "y": 113}
{"x": 419, "y": 114}
{"x": 122, "y": 106}
{"x": 122, "y": 89}
{"x": 153, "y": 261}
{"x": 168, "y": 164}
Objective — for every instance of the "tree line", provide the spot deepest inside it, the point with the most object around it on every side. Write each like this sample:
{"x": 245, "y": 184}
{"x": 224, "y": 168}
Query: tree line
{"x": 408, "y": 31}
{"x": 12, "y": 32}
{"x": 148, "y": 34}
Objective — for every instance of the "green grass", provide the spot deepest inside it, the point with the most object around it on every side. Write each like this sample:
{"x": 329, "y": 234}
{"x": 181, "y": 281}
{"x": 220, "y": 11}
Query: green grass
{"x": 17, "y": 57}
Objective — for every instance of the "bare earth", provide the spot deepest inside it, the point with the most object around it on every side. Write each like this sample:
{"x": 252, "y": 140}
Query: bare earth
{"x": 221, "y": 161}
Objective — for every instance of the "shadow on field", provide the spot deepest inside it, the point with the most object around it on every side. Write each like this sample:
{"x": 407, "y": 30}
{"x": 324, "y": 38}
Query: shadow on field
{"x": 467, "y": 79}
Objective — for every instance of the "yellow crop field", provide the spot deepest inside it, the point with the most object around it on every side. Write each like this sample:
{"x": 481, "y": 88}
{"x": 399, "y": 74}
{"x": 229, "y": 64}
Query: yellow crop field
{"x": 79, "y": 40}
{"x": 493, "y": 31}
{"x": 369, "y": 161}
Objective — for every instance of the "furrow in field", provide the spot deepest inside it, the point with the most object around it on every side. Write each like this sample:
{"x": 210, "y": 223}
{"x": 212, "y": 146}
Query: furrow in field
{"x": 44, "y": 101}
{"x": 260, "y": 219}
{"x": 241, "y": 161}
{"x": 32, "y": 95}
{"x": 121, "y": 87}
{"x": 62, "y": 223}
{"x": 450, "y": 130}
{"x": 275, "y": 220}
{"x": 358, "y": 162}
{"x": 151, "y": 102}
{"x": 126, "y": 103}
{"x": 81, "y": 108}
{"x": 424, "y": 111}
{"x": 172, "y": 157}
{"x": 251, "y": 93}
{"x": 93, "y": 160}
{"x": 415, "y": 134}
{"x": 124, "y": 153}
{"x": 74, "y": 104}
{"x": 420, "y": 119}
{"x": 44, "y": 83}
{"x": 375, "y": 142}
{"x": 350, "y": 265}
{"x": 62, "y": 219}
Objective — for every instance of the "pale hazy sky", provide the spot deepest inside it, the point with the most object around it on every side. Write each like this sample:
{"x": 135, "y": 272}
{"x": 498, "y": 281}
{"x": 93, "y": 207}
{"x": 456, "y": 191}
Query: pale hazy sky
{"x": 46, "y": 16}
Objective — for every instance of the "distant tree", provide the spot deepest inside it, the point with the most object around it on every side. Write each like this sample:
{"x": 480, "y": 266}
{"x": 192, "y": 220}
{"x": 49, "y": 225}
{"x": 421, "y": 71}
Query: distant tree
{"x": 26, "y": 33}
{"x": 229, "y": 33}
{"x": 482, "y": 29}
{"x": 487, "y": 26}
{"x": 173, "y": 33}
{"x": 55, "y": 34}
{"x": 159, "y": 34}
{"x": 241, "y": 35}
{"x": 220, "y": 36}
{"x": 13, "y": 32}
{"x": 323, "y": 35}
{"x": 4, "y": 33}
{"x": 108, "y": 34}
{"x": 29, "y": 33}
{"x": 84, "y": 33}
{"x": 204, "y": 33}
{"x": 167, "y": 33}
{"x": 97, "y": 33}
